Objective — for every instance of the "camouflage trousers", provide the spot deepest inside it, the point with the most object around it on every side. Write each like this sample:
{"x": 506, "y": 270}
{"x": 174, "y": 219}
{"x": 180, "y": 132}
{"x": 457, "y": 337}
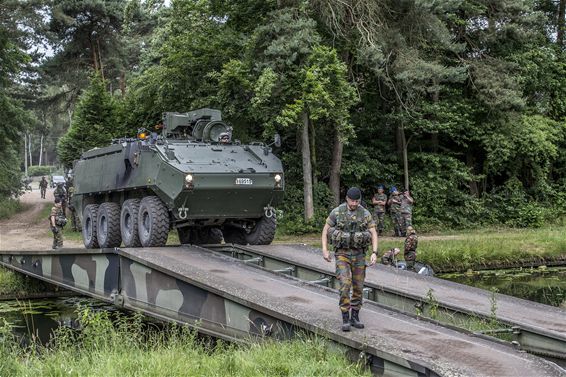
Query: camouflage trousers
{"x": 351, "y": 272}
{"x": 57, "y": 237}
{"x": 410, "y": 257}
{"x": 397, "y": 223}
{"x": 406, "y": 220}
{"x": 379, "y": 218}
{"x": 75, "y": 221}
{"x": 42, "y": 190}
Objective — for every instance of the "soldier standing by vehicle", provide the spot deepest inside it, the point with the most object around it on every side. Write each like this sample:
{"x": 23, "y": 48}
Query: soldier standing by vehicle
{"x": 351, "y": 229}
{"x": 394, "y": 203}
{"x": 406, "y": 211}
{"x": 410, "y": 251}
{"x": 57, "y": 221}
{"x": 70, "y": 192}
{"x": 62, "y": 195}
{"x": 379, "y": 200}
{"x": 43, "y": 186}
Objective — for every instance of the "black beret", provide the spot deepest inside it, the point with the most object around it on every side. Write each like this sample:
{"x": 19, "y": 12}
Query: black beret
{"x": 354, "y": 193}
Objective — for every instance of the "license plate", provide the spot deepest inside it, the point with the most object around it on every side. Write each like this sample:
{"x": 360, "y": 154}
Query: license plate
{"x": 244, "y": 181}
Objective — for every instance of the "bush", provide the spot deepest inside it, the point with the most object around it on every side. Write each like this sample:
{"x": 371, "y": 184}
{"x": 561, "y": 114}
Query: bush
{"x": 8, "y": 207}
{"x": 38, "y": 171}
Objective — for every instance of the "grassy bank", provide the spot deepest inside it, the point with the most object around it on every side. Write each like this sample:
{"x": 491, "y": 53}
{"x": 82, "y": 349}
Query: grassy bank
{"x": 473, "y": 249}
{"x": 14, "y": 284}
{"x": 9, "y": 207}
{"x": 127, "y": 347}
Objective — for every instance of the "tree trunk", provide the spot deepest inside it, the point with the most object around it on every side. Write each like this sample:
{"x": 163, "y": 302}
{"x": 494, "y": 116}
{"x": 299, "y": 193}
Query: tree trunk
{"x": 123, "y": 83}
{"x": 26, "y": 154}
{"x": 312, "y": 140}
{"x": 561, "y": 24}
{"x": 40, "y": 149}
{"x": 100, "y": 59}
{"x": 29, "y": 151}
{"x": 307, "y": 169}
{"x": 405, "y": 157}
{"x": 94, "y": 56}
{"x": 335, "y": 167}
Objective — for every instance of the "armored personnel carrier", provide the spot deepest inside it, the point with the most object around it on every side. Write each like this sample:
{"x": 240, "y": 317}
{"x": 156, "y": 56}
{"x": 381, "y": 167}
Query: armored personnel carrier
{"x": 192, "y": 178}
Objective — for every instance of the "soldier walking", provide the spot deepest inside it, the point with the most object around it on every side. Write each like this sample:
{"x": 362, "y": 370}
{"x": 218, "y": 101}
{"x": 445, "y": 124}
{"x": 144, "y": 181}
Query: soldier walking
{"x": 57, "y": 221}
{"x": 394, "y": 203}
{"x": 351, "y": 229}
{"x": 379, "y": 201}
{"x": 43, "y": 186}
{"x": 406, "y": 211}
{"x": 410, "y": 250}
{"x": 61, "y": 194}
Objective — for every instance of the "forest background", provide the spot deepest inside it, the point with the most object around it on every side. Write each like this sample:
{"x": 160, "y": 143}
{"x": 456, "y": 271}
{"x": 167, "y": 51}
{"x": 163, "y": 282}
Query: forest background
{"x": 463, "y": 101}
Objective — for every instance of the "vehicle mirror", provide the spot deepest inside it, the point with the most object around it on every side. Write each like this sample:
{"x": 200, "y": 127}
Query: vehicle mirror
{"x": 277, "y": 140}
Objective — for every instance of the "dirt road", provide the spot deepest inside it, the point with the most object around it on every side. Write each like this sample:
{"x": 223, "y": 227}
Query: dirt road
{"x": 27, "y": 230}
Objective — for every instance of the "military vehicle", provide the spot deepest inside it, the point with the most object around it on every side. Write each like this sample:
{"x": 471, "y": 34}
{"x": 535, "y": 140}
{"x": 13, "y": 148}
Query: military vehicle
{"x": 191, "y": 177}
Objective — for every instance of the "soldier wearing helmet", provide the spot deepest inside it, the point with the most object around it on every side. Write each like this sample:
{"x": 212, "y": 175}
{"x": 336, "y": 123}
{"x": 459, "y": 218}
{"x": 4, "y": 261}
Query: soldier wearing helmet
{"x": 350, "y": 229}
{"x": 224, "y": 138}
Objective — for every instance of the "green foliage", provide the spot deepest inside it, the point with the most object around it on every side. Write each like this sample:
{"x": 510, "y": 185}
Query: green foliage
{"x": 38, "y": 171}
{"x": 291, "y": 220}
{"x": 9, "y": 207}
{"x": 94, "y": 123}
{"x": 129, "y": 346}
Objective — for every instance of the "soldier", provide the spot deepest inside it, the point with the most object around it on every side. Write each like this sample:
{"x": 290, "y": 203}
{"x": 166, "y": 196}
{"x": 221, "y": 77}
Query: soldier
{"x": 57, "y": 221}
{"x": 390, "y": 257}
{"x": 70, "y": 192}
{"x": 379, "y": 201}
{"x": 62, "y": 195}
{"x": 406, "y": 211}
{"x": 410, "y": 251}
{"x": 351, "y": 229}
{"x": 224, "y": 138}
{"x": 394, "y": 203}
{"x": 43, "y": 186}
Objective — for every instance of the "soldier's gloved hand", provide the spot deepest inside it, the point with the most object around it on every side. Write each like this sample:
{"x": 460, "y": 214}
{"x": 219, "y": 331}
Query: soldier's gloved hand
{"x": 54, "y": 229}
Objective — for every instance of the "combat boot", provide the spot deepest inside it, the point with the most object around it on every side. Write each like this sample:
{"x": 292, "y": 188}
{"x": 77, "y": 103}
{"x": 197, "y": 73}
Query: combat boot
{"x": 355, "y": 320}
{"x": 346, "y": 321}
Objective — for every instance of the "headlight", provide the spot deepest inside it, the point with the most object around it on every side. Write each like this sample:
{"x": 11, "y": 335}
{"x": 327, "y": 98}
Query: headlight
{"x": 189, "y": 178}
{"x": 277, "y": 178}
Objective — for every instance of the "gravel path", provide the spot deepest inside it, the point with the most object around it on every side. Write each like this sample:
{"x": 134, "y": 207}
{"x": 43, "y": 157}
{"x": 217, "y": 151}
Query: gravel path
{"x": 26, "y": 230}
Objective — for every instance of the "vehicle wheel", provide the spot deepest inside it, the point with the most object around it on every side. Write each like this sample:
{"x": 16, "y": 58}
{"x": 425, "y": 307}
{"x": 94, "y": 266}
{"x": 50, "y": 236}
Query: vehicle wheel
{"x": 129, "y": 223}
{"x": 90, "y": 239}
{"x": 108, "y": 225}
{"x": 153, "y": 222}
{"x": 234, "y": 235}
{"x": 263, "y": 232}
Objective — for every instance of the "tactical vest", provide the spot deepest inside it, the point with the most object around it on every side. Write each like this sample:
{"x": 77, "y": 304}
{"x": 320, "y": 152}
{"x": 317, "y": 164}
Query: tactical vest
{"x": 350, "y": 232}
{"x": 60, "y": 219}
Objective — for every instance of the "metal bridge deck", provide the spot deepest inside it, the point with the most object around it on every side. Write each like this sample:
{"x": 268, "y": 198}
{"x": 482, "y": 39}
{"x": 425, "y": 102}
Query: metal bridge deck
{"x": 536, "y": 324}
{"x": 232, "y": 299}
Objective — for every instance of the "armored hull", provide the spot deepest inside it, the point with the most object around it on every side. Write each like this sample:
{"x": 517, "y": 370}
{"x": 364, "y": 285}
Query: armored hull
{"x": 135, "y": 191}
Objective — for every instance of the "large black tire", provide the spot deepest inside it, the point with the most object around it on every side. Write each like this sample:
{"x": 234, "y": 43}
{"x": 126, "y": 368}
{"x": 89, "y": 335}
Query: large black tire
{"x": 153, "y": 222}
{"x": 234, "y": 235}
{"x": 263, "y": 232}
{"x": 108, "y": 225}
{"x": 90, "y": 234}
{"x": 129, "y": 223}
{"x": 199, "y": 236}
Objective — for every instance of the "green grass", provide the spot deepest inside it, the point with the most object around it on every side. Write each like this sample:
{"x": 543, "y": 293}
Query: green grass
{"x": 9, "y": 207}
{"x": 473, "y": 248}
{"x": 16, "y": 284}
{"x": 127, "y": 347}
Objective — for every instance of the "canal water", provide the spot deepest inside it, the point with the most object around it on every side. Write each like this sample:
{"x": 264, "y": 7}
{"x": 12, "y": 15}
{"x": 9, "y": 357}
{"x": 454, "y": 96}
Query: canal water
{"x": 544, "y": 285}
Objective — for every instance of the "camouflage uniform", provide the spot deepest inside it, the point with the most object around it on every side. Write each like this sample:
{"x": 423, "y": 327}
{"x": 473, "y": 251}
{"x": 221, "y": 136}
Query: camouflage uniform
{"x": 395, "y": 210}
{"x": 43, "y": 187}
{"x": 350, "y": 261}
{"x": 406, "y": 213}
{"x": 57, "y": 215}
{"x": 62, "y": 195}
{"x": 379, "y": 212}
{"x": 410, "y": 251}
{"x": 74, "y": 218}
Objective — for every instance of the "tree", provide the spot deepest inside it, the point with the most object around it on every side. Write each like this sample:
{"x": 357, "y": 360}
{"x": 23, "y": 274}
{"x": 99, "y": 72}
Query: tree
{"x": 94, "y": 123}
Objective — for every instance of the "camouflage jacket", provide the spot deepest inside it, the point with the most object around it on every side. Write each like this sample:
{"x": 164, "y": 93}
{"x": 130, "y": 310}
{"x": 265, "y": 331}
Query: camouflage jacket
{"x": 43, "y": 183}
{"x": 394, "y": 203}
{"x": 347, "y": 224}
{"x": 59, "y": 217}
{"x": 411, "y": 243}
{"x": 406, "y": 204}
{"x": 60, "y": 193}
{"x": 380, "y": 208}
